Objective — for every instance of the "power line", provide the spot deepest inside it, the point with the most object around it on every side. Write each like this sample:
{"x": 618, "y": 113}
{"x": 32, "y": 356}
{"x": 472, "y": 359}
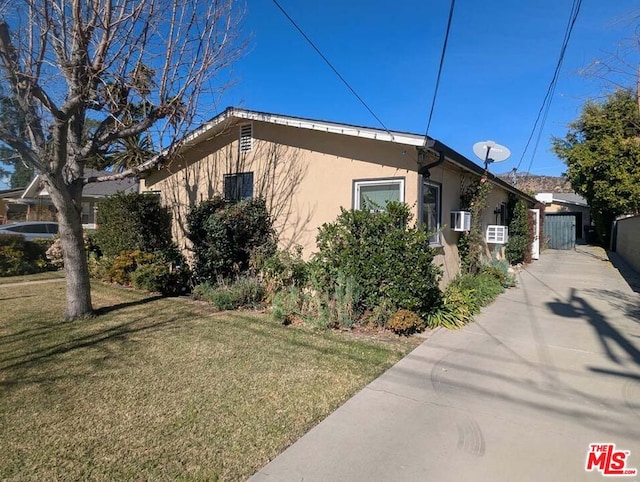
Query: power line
{"x": 442, "y": 55}
{"x": 546, "y": 102}
{"x": 331, "y": 65}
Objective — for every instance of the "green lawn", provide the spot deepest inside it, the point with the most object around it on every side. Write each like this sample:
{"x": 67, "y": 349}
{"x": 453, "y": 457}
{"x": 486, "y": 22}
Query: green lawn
{"x": 47, "y": 275}
{"x": 162, "y": 389}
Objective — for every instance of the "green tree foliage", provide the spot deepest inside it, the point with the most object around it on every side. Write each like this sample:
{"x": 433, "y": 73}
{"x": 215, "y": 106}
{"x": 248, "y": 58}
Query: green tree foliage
{"x": 11, "y": 163}
{"x": 225, "y": 236}
{"x": 518, "y": 249}
{"x": 391, "y": 262}
{"x": 470, "y": 244}
{"x": 602, "y": 153}
{"x": 129, "y": 222}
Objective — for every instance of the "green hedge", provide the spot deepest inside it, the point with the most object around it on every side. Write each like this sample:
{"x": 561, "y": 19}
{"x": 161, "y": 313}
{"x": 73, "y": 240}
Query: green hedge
{"x": 225, "y": 236}
{"x": 390, "y": 261}
{"x": 129, "y": 222}
{"x": 18, "y": 256}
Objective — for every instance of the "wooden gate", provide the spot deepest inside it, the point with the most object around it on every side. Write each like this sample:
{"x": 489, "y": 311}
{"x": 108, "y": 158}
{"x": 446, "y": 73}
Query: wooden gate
{"x": 560, "y": 230}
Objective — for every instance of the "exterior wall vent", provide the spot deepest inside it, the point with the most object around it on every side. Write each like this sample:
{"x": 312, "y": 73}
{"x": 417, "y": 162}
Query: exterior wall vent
{"x": 246, "y": 137}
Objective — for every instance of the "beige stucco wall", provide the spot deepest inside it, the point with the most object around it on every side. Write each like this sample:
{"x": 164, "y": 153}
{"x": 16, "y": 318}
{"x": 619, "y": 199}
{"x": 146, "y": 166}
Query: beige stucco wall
{"x": 306, "y": 176}
{"x": 627, "y": 244}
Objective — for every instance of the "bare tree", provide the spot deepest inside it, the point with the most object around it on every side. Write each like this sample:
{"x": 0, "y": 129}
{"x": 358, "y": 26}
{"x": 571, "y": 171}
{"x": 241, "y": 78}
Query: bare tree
{"x": 131, "y": 66}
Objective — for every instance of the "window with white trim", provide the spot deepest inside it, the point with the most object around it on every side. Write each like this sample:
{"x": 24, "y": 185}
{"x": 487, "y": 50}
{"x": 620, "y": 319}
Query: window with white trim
{"x": 431, "y": 209}
{"x": 246, "y": 137}
{"x": 374, "y": 194}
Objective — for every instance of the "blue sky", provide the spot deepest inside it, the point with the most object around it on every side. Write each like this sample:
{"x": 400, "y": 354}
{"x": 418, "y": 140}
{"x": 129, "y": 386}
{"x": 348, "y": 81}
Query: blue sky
{"x": 500, "y": 59}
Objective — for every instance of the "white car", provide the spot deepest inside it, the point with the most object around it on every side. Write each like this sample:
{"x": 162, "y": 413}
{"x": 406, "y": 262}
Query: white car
{"x": 31, "y": 229}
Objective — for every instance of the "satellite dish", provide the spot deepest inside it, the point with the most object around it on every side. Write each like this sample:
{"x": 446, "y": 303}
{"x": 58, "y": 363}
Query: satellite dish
{"x": 490, "y": 151}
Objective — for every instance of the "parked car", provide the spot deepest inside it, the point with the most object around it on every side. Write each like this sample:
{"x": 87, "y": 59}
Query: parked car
{"x": 31, "y": 229}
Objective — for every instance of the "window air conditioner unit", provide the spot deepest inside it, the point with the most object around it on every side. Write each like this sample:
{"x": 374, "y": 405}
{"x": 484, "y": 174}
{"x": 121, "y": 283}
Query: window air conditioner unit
{"x": 460, "y": 220}
{"x": 497, "y": 234}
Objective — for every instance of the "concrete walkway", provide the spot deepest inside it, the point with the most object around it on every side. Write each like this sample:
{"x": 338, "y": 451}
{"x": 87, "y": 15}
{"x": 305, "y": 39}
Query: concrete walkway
{"x": 549, "y": 368}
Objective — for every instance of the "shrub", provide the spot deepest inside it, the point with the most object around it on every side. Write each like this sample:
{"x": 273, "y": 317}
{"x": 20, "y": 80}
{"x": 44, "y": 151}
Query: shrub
{"x": 483, "y": 286}
{"x": 18, "y": 256}
{"x": 281, "y": 270}
{"x": 287, "y": 305}
{"x": 499, "y": 269}
{"x": 323, "y": 310}
{"x": 518, "y": 248}
{"x": 457, "y": 309}
{"x": 244, "y": 292}
{"x": 224, "y": 236}
{"x": 159, "y": 276}
{"x": 100, "y": 268}
{"x": 125, "y": 263}
{"x": 389, "y": 260}
{"x": 54, "y": 253}
{"x": 132, "y": 222}
{"x": 405, "y": 322}
{"x": 379, "y": 316}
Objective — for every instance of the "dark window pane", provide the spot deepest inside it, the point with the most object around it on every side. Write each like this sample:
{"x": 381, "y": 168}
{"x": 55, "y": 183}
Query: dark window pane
{"x": 238, "y": 186}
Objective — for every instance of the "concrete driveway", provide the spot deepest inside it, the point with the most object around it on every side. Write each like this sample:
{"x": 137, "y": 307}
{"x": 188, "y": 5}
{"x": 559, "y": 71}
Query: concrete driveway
{"x": 550, "y": 368}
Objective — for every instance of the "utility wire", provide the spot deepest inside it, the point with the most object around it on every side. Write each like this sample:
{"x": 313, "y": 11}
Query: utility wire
{"x": 306, "y": 37}
{"x": 546, "y": 102}
{"x": 442, "y": 55}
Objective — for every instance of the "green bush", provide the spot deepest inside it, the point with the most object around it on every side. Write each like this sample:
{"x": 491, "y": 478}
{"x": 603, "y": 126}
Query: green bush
{"x": 165, "y": 271}
{"x": 100, "y": 267}
{"x": 125, "y": 263}
{"x": 323, "y": 310}
{"x": 484, "y": 287}
{"x": 388, "y": 259}
{"x": 457, "y": 309}
{"x": 18, "y": 256}
{"x": 518, "y": 248}
{"x": 281, "y": 270}
{"x": 499, "y": 269}
{"x": 287, "y": 304}
{"x": 159, "y": 276}
{"x": 130, "y": 222}
{"x": 405, "y": 322}
{"x": 225, "y": 235}
{"x": 244, "y": 292}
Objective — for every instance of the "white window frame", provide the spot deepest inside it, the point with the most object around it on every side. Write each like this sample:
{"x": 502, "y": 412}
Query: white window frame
{"x": 436, "y": 240}
{"x": 245, "y": 137}
{"x": 358, "y": 183}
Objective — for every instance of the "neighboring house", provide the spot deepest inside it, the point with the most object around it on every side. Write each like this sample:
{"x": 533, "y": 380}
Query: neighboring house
{"x": 563, "y": 207}
{"x": 34, "y": 202}
{"x": 307, "y": 170}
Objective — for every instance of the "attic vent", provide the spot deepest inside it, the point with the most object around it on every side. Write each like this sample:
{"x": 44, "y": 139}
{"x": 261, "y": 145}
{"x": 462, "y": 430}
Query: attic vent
{"x": 497, "y": 234}
{"x": 246, "y": 137}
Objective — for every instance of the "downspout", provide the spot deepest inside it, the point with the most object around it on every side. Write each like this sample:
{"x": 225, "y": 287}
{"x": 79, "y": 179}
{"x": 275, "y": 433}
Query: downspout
{"x": 423, "y": 169}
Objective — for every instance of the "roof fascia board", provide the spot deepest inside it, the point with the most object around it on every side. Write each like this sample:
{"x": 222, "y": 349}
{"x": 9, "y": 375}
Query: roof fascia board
{"x": 33, "y": 185}
{"x": 350, "y": 130}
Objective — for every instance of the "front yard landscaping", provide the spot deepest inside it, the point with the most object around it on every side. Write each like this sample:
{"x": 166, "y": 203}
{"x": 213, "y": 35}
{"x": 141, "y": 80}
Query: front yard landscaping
{"x": 162, "y": 388}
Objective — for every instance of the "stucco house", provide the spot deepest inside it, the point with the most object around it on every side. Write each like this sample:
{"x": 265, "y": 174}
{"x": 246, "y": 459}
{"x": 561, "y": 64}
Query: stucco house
{"x": 308, "y": 169}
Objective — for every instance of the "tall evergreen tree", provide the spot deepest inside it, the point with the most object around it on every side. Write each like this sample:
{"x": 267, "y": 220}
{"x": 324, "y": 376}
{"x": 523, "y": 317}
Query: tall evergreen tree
{"x": 602, "y": 154}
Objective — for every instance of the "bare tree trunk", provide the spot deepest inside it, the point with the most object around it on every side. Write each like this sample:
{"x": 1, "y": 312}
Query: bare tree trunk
{"x": 75, "y": 259}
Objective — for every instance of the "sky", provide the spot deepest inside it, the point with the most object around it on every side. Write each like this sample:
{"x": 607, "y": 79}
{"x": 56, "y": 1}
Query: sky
{"x": 500, "y": 58}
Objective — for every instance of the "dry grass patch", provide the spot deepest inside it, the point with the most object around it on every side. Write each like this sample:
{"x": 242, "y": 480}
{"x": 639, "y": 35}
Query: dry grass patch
{"x": 46, "y": 275}
{"x": 159, "y": 389}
